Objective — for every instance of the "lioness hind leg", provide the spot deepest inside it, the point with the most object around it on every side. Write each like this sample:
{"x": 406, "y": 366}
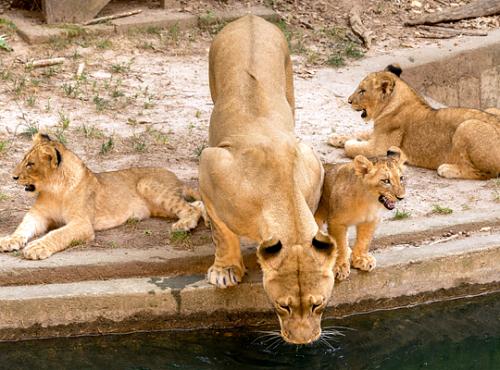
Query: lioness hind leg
{"x": 361, "y": 259}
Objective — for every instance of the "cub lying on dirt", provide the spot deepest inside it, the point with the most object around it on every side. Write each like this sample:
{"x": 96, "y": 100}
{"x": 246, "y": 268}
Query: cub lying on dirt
{"x": 353, "y": 194}
{"x": 74, "y": 202}
{"x": 258, "y": 181}
{"x": 458, "y": 142}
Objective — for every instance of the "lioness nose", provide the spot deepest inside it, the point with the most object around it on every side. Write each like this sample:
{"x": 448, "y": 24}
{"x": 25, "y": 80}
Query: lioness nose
{"x": 401, "y": 198}
{"x": 15, "y": 177}
{"x": 349, "y": 100}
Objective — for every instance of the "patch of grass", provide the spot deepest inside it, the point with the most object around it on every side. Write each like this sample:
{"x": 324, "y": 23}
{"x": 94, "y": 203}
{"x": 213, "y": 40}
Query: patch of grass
{"x": 132, "y": 221}
{"x": 199, "y": 149}
{"x": 104, "y": 44}
{"x": 159, "y": 137}
{"x": 120, "y": 68}
{"x": 30, "y": 130}
{"x": 139, "y": 143}
{"x": 75, "y": 243}
{"x": 288, "y": 34}
{"x": 180, "y": 237}
{"x": 148, "y": 232}
{"x": 107, "y": 146}
{"x": 436, "y": 208}
{"x": 197, "y": 114}
{"x": 336, "y": 60}
{"x": 174, "y": 32}
{"x": 100, "y": 103}
{"x": 3, "y": 146}
{"x": 496, "y": 190}
{"x": 91, "y": 132}
{"x": 7, "y": 24}
{"x": 153, "y": 30}
{"x": 401, "y": 215}
{"x": 64, "y": 121}
{"x": 353, "y": 51}
{"x": 3, "y": 197}
{"x": 31, "y": 101}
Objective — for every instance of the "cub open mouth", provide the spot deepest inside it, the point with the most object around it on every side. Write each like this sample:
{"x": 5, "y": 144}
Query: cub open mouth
{"x": 389, "y": 204}
{"x": 29, "y": 187}
{"x": 363, "y": 113}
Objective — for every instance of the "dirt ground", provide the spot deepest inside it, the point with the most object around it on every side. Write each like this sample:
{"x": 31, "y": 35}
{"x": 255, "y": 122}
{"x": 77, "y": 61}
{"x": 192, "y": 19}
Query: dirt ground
{"x": 143, "y": 99}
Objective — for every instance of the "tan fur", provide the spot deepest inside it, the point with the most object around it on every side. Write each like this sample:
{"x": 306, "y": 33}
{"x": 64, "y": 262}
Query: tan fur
{"x": 259, "y": 182}
{"x": 73, "y": 202}
{"x": 351, "y": 194}
{"x": 458, "y": 142}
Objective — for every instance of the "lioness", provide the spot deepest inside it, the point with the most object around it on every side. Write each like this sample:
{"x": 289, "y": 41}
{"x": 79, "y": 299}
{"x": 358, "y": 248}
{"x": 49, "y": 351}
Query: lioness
{"x": 458, "y": 142}
{"x": 258, "y": 181}
{"x": 74, "y": 202}
{"x": 353, "y": 194}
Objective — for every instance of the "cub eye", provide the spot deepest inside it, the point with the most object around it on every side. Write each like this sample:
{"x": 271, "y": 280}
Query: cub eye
{"x": 29, "y": 164}
{"x": 402, "y": 178}
{"x": 386, "y": 181}
{"x": 317, "y": 308}
{"x": 361, "y": 92}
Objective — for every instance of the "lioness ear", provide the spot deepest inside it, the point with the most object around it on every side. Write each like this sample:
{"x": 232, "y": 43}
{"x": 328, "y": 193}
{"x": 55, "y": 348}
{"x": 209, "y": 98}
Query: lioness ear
{"x": 394, "y": 68}
{"x": 386, "y": 84}
{"x": 41, "y": 138}
{"x": 398, "y": 154}
{"x": 362, "y": 165}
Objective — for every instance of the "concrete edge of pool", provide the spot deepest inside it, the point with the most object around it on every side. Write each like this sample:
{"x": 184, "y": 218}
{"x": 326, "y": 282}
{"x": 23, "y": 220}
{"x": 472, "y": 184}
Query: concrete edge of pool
{"x": 113, "y": 263}
{"x": 405, "y": 275}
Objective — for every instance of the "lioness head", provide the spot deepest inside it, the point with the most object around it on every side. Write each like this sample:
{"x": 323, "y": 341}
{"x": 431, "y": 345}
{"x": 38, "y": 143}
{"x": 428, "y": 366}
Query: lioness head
{"x": 383, "y": 176}
{"x": 299, "y": 280}
{"x": 374, "y": 92}
{"x": 39, "y": 164}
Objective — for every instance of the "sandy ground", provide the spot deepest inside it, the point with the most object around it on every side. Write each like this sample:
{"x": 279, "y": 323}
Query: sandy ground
{"x": 155, "y": 107}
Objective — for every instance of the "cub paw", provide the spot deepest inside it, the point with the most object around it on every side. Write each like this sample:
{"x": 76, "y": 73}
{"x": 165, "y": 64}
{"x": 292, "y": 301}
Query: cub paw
{"x": 224, "y": 277}
{"x": 12, "y": 243}
{"x": 37, "y": 250}
{"x": 365, "y": 262}
{"x": 449, "y": 171}
{"x": 342, "y": 270}
{"x": 185, "y": 224}
{"x": 201, "y": 207}
{"x": 337, "y": 141}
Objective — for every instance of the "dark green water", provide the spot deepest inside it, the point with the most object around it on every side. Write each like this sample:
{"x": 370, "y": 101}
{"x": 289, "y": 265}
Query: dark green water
{"x": 461, "y": 334}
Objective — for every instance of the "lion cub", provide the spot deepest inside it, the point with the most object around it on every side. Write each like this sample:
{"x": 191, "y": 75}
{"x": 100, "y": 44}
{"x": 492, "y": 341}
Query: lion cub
{"x": 74, "y": 202}
{"x": 353, "y": 194}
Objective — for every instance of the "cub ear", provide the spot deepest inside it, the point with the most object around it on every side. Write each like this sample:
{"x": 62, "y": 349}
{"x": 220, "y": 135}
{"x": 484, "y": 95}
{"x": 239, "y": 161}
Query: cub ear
{"x": 52, "y": 155}
{"x": 398, "y": 154}
{"x": 41, "y": 138}
{"x": 386, "y": 84}
{"x": 395, "y": 69}
{"x": 362, "y": 165}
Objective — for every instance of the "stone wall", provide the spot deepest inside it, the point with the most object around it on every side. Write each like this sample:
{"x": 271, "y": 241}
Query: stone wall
{"x": 469, "y": 79}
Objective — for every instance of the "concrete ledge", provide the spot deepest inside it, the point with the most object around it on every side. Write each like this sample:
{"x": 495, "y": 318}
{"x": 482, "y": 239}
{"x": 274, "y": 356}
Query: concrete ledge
{"x": 111, "y": 263}
{"x": 123, "y": 305}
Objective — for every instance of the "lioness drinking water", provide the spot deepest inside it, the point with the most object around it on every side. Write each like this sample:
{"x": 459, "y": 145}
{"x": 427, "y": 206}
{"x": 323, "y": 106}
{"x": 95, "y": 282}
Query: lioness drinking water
{"x": 258, "y": 181}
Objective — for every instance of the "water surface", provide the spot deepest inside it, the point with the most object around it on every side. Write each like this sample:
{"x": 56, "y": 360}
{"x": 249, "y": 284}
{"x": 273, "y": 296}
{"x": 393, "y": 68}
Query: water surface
{"x": 461, "y": 334}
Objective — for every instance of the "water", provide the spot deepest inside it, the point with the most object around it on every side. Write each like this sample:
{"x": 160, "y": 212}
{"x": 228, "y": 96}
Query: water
{"x": 455, "y": 335}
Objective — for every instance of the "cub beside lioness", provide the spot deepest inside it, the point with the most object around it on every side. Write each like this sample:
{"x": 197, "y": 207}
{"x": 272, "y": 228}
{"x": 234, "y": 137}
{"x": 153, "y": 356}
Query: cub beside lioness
{"x": 74, "y": 202}
{"x": 353, "y": 194}
{"x": 458, "y": 142}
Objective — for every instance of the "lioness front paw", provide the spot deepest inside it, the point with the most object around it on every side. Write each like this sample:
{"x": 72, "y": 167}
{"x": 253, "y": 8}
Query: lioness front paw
{"x": 365, "y": 262}
{"x": 342, "y": 270}
{"x": 224, "y": 277}
{"x": 337, "y": 141}
{"x": 37, "y": 250}
{"x": 12, "y": 243}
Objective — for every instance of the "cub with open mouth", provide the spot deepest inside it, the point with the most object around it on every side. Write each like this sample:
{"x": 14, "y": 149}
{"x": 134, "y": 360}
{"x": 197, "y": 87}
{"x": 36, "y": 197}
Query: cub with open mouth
{"x": 353, "y": 194}
{"x": 258, "y": 181}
